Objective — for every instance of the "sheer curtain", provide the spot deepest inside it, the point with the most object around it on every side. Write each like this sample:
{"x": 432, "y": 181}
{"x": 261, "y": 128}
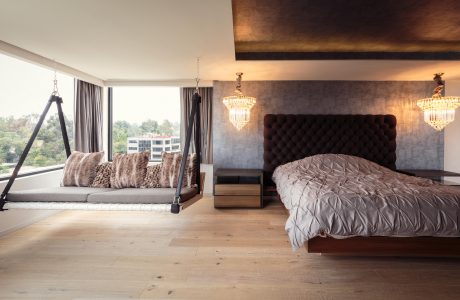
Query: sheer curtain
{"x": 88, "y": 117}
{"x": 206, "y": 120}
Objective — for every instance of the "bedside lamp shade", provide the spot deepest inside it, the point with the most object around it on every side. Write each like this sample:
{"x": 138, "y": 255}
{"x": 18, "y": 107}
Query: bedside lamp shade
{"x": 239, "y": 106}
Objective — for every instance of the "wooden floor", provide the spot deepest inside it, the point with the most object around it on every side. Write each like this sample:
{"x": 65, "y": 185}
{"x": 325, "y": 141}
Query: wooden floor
{"x": 202, "y": 253}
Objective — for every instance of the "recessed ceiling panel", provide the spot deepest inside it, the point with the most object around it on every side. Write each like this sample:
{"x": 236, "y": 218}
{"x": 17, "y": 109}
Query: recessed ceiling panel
{"x": 346, "y": 29}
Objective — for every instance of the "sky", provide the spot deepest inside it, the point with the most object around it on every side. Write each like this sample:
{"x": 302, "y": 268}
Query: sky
{"x": 25, "y": 89}
{"x": 136, "y": 104}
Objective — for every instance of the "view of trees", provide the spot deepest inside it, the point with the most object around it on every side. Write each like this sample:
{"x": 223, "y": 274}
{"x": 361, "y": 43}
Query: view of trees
{"x": 122, "y": 130}
{"x": 47, "y": 150}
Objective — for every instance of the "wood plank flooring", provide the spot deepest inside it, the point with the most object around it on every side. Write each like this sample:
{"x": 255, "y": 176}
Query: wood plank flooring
{"x": 203, "y": 253}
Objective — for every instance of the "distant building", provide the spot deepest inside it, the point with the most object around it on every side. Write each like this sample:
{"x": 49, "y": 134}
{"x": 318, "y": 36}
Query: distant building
{"x": 154, "y": 144}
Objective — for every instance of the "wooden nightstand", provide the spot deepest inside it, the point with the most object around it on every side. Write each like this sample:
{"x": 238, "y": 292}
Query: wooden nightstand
{"x": 238, "y": 188}
{"x": 445, "y": 177}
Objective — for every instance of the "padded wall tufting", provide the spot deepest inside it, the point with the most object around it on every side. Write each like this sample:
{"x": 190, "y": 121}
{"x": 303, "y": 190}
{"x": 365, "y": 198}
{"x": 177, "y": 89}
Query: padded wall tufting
{"x": 292, "y": 137}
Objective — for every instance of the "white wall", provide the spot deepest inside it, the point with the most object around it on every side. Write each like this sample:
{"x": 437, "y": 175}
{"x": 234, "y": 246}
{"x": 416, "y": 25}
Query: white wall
{"x": 452, "y": 133}
{"x": 208, "y": 179}
{"x": 11, "y": 220}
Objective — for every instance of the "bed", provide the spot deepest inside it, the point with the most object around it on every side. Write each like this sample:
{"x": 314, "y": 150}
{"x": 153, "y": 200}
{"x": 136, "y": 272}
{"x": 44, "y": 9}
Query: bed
{"x": 337, "y": 178}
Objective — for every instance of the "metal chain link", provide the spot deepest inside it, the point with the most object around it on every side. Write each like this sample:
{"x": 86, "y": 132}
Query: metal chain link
{"x": 55, "y": 81}
{"x": 197, "y": 79}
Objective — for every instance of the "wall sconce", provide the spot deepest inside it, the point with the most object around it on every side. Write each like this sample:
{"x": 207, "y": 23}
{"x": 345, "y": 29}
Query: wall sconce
{"x": 438, "y": 110}
{"x": 239, "y": 106}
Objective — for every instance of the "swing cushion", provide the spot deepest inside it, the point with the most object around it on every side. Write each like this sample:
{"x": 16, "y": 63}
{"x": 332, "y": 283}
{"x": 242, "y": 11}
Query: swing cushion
{"x": 141, "y": 196}
{"x": 55, "y": 194}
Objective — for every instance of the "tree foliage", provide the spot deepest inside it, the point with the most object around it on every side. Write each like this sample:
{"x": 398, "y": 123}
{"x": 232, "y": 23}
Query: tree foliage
{"x": 48, "y": 148}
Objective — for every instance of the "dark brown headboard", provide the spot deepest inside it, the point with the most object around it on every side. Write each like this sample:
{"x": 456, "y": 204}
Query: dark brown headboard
{"x": 292, "y": 137}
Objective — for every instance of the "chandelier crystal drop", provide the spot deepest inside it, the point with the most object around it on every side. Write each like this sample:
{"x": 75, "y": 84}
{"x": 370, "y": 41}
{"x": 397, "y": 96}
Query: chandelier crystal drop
{"x": 239, "y": 106}
{"x": 439, "y": 111}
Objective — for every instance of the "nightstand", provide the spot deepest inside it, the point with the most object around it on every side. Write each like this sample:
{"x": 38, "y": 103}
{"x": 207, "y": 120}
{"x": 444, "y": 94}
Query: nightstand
{"x": 238, "y": 188}
{"x": 445, "y": 177}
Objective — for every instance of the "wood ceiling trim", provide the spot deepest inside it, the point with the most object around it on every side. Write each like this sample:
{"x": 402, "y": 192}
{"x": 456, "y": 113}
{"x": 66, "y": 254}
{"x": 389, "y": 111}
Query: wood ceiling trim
{"x": 452, "y": 56}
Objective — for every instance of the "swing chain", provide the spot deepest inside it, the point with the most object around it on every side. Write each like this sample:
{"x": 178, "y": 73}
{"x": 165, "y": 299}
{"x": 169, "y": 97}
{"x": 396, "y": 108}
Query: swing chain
{"x": 55, "y": 88}
{"x": 197, "y": 79}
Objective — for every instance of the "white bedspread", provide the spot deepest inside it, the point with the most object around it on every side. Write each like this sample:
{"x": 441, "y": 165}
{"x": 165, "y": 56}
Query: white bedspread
{"x": 342, "y": 196}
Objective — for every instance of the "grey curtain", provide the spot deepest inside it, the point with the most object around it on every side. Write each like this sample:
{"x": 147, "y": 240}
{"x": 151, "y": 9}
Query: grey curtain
{"x": 88, "y": 117}
{"x": 206, "y": 120}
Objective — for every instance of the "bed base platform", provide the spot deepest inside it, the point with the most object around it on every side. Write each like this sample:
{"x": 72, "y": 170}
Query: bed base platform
{"x": 386, "y": 246}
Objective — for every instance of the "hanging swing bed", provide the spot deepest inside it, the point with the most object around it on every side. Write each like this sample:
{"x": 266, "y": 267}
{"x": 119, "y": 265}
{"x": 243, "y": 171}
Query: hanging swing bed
{"x": 89, "y": 198}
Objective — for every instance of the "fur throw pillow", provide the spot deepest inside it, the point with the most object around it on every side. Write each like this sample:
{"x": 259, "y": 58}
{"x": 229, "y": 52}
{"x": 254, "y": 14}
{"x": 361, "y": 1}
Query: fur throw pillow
{"x": 80, "y": 168}
{"x": 170, "y": 168}
{"x": 128, "y": 170}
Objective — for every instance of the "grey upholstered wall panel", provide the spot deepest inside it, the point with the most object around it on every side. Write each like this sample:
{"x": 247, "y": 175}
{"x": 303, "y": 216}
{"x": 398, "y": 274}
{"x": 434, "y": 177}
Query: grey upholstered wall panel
{"x": 418, "y": 145}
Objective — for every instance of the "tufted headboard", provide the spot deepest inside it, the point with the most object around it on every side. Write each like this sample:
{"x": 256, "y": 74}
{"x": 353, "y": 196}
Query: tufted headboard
{"x": 292, "y": 137}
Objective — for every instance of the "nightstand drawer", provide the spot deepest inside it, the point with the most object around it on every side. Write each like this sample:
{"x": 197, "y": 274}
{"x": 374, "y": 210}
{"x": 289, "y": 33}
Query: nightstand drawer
{"x": 240, "y": 188}
{"x": 237, "y": 201}
{"x": 237, "y": 189}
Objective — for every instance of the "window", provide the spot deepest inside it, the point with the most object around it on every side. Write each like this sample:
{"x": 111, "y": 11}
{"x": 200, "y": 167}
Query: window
{"x": 132, "y": 148}
{"x": 150, "y": 115}
{"x": 24, "y": 91}
{"x": 146, "y": 143}
{"x": 168, "y": 149}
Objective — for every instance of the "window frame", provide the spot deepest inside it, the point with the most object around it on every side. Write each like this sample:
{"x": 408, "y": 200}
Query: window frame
{"x": 36, "y": 172}
{"x": 110, "y": 123}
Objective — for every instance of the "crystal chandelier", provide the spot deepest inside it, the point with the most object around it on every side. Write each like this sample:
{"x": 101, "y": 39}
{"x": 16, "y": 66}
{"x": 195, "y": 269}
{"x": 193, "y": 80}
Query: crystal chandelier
{"x": 438, "y": 110}
{"x": 239, "y": 106}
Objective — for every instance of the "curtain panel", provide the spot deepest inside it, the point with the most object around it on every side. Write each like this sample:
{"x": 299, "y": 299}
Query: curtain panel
{"x": 206, "y": 120}
{"x": 88, "y": 117}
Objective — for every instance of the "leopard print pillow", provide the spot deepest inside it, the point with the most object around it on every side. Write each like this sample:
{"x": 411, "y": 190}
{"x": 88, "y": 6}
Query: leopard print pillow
{"x": 103, "y": 172}
{"x": 152, "y": 178}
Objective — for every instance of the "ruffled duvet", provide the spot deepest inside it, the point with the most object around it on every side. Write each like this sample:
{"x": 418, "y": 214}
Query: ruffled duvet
{"x": 342, "y": 196}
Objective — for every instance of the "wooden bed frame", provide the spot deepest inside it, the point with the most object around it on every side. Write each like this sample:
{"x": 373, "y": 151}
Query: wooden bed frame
{"x": 385, "y": 246}
{"x": 380, "y": 130}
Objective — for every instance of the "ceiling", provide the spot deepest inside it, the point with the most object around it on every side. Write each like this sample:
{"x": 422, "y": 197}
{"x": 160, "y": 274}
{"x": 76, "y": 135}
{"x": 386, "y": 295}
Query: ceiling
{"x": 351, "y": 29}
{"x": 159, "y": 40}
